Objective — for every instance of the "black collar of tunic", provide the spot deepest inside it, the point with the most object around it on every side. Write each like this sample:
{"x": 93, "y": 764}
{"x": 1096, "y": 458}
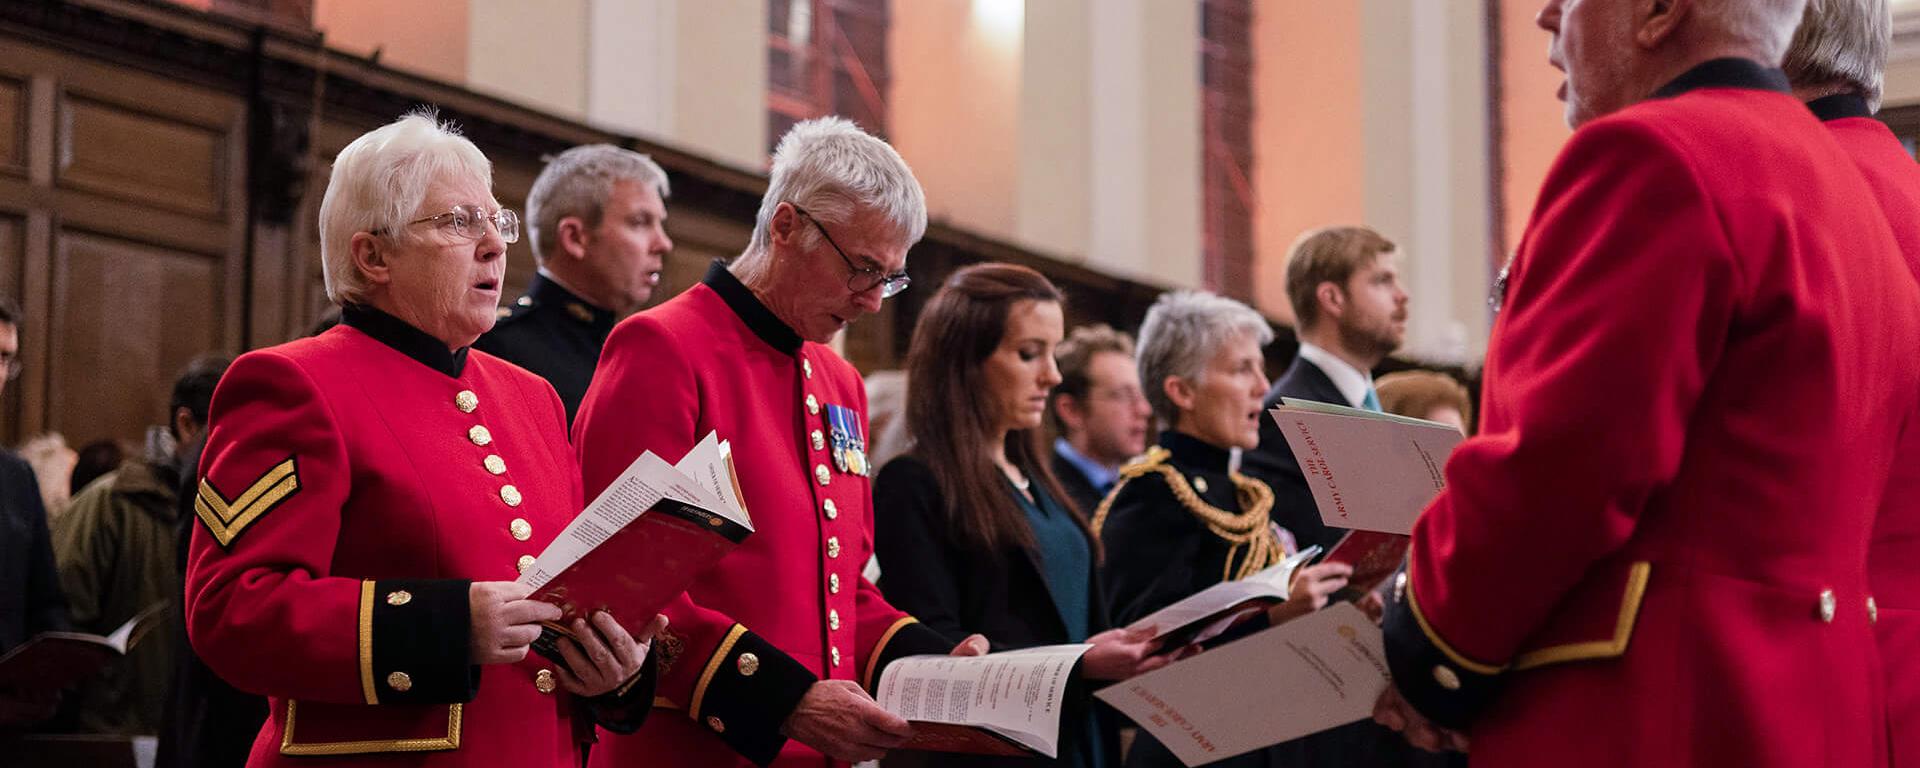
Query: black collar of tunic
{"x": 758, "y": 318}
{"x": 1193, "y": 453}
{"x": 1727, "y": 73}
{"x": 545, "y": 291}
{"x": 1840, "y": 106}
{"x": 405, "y": 339}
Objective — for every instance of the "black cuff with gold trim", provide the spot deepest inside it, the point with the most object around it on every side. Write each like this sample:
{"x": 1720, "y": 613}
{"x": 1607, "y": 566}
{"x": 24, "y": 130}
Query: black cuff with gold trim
{"x": 1447, "y": 689}
{"x": 908, "y": 637}
{"x": 746, "y": 692}
{"x": 414, "y": 638}
{"x": 623, "y": 709}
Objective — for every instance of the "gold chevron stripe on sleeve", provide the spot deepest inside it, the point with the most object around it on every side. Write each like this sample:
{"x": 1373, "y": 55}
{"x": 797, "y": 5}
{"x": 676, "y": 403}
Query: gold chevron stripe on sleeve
{"x": 226, "y": 519}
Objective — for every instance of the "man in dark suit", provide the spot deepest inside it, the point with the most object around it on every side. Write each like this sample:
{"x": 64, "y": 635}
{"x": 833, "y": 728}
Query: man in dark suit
{"x": 30, "y": 598}
{"x": 1098, "y": 411}
{"x": 597, "y": 216}
{"x": 1350, "y": 313}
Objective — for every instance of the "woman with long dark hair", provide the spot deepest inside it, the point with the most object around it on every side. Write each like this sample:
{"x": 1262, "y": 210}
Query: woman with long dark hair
{"x": 973, "y": 532}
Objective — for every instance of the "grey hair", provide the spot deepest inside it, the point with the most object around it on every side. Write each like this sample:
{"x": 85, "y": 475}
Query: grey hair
{"x": 834, "y": 170}
{"x": 578, "y": 182}
{"x": 1182, "y": 333}
{"x": 378, "y": 184}
{"x": 1764, "y": 26}
{"x": 1842, "y": 42}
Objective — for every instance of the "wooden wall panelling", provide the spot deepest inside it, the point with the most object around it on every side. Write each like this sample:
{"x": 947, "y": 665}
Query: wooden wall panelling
{"x": 13, "y": 126}
{"x": 13, "y": 242}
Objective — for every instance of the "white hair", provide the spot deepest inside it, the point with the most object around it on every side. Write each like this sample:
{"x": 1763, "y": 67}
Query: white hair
{"x": 578, "y": 182}
{"x": 1765, "y": 27}
{"x": 1182, "y": 333}
{"x": 379, "y": 183}
{"x": 1842, "y": 42}
{"x": 833, "y": 170}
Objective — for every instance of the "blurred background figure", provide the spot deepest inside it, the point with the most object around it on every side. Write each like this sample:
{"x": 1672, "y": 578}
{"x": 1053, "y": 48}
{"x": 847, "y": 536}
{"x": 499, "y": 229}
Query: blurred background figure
{"x": 52, "y": 461}
{"x": 886, "y": 416}
{"x": 1427, "y": 395}
{"x": 95, "y": 459}
{"x": 1097, "y": 411}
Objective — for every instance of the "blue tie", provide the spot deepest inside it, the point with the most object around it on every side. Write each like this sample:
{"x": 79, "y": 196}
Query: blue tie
{"x": 1372, "y": 401}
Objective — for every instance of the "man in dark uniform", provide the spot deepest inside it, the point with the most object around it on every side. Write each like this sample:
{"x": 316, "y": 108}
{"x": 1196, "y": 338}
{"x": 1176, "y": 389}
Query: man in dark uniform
{"x": 1351, "y": 313}
{"x": 1836, "y": 65}
{"x": 598, "y": 219}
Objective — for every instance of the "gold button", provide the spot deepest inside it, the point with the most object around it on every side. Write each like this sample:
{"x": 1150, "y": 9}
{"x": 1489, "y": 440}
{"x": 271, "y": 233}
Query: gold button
{"x": 521, "y": 529}
{"x": 1828, "y": 604}
{"x": 1400, "y": 587}
{"x": 399, "y": 681}
{"x": 833, "y": 510}
{"x": 820, "y": 473}
{"x": 833, "y": 583}
{"x": 813, "y": 405}
{"x": 525, "y": 301}
{"x": 1446, "y": 677}
{"x": 716, "y": 725}
{"x": 833, "y": 546}
{"x": 510, "y": 495}
{"x": 748, "y": 664}
{"x": 525, "y": 562}
{"x": 543, "y": 681}
{"x": 1200, "y": 484}
{"x": 1873, "y": 611}
{"x": 466, "y": 401}
{"x": 833, "y": 619}
{"x": 806, "y": 367}
{"x": 835, "y": 655}
{"x": 399, "y": 597}
{"x": 819, "y": 441}
{"x": 479, "y": 435}
{"x": 495, "y": 464}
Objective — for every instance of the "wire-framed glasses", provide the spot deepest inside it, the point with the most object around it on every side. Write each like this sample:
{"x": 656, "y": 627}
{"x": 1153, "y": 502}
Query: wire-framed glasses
{"x": 862, "y": 279}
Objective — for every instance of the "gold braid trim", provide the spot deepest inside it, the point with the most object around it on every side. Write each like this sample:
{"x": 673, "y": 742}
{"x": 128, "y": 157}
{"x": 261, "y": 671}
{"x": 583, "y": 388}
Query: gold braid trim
{"x": 1247, "y": 529}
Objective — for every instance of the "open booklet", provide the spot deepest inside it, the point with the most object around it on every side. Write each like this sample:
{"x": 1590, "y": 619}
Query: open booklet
{"x": 1005, "y": 703}
{"x": 1206, "y": 614}
{"x": 654, "y": 530}
{"x": 1319, "y": 671}
{"x": 1369, "y": 471}
{"x": 54, "y": 660}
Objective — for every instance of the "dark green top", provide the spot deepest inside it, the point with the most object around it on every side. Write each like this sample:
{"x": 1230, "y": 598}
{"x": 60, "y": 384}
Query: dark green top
{"x": 1066, "y": 562}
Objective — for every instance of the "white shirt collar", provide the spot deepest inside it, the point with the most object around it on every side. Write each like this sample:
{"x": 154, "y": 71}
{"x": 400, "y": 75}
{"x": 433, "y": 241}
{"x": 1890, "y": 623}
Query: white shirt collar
{"x": 1352, "y": 382}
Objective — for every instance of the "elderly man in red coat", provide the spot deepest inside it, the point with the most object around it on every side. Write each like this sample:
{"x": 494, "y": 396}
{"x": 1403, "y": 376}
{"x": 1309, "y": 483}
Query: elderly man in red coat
{"x": 766, "y": 656}
{"x": 1654, "y": 551}
{"x": 1836, "y": 65}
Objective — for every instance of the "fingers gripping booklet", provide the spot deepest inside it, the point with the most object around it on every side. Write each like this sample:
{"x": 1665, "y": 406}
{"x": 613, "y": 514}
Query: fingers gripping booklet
{"x": 647, "y": 537}
{"x": 1005, "y": 703}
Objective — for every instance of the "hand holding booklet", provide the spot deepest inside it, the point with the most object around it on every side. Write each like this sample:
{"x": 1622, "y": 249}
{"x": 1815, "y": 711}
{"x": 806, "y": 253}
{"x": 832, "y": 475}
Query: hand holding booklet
{"x": 647, "y": 537}
{"x": 1206, "y": 614}
{"x": 1006, "y": 703}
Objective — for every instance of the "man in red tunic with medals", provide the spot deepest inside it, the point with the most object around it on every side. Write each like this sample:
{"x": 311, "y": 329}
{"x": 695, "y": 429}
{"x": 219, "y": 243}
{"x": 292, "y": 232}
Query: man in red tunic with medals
{"x": 765, "y": 659}
{"x": 1654, "y": 551}
{"x": 1836, "y": 65}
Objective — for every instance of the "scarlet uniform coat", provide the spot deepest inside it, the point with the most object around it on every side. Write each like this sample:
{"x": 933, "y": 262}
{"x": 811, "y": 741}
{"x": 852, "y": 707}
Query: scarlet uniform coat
{"x": 1654, "y": 552}
{"x": 1893, "y": 564}
{"x": 788, "y": 607}
{"x": 352, "y": 486}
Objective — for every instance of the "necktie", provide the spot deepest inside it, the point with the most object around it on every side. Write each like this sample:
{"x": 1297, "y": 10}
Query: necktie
{"x": 1372, "y": 401}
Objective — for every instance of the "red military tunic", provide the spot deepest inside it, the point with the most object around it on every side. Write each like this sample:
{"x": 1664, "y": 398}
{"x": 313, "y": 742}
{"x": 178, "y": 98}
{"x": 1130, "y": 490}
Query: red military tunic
{"x": 1893, "y": 563}
{"x": 789, "y": 606}
{"x": 1654, "y": 551}
{"x": 353, "y": 484}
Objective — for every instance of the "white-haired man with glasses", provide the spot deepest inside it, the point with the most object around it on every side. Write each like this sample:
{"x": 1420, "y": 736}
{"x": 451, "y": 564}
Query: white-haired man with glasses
{"x": 769, "y": 658}
{"x": 369, "y": 495}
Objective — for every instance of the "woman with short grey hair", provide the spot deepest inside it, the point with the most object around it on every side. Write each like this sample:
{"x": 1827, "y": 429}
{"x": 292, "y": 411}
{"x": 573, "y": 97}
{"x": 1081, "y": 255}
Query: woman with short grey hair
{"x": 1181, "y": 519}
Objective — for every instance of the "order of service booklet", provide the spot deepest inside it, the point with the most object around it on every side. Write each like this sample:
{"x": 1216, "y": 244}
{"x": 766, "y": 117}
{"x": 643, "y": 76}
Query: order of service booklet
{"x": 50, "y": 661}
{"x": 1369, "y": 471}
{"x": 647, "y": 537}
{"x": 1320, "y": 671}
{"x": 1204, "y": 615}
{"x": 1006, "y": 703}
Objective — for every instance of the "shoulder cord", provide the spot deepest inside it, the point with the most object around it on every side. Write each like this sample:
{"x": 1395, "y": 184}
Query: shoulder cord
{"x": 1248, "y": 529}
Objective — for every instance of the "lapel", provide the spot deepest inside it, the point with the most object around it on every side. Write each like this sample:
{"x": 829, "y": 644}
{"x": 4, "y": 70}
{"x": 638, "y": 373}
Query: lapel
{"x": 1032, "y": 555}
{"x": 1306, "y": 381}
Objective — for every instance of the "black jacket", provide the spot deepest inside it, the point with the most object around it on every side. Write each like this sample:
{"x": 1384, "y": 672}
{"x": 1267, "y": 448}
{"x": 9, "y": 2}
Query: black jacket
{"x": 554, "y": 334}
{"x": 1079, "y": 489}
{"x": 1273, "y": 462}
{"x": 960, "y": 590}
{"x": 30, "y": 598}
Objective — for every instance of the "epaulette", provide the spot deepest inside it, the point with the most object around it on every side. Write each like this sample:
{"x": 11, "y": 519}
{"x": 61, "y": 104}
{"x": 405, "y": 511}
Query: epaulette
{"x": 1150, "y": 462}
{"x": 519, "y": 307}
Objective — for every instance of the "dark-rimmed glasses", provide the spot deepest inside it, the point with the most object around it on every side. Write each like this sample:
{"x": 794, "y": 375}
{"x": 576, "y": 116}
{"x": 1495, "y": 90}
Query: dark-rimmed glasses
{"x": 470, "y": 222}
{"x": 863, "y": 279}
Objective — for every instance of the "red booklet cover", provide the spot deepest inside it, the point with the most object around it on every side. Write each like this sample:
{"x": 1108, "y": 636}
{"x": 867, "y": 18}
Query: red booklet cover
{"x": 1374, "y": 557}
{"x": 638, "y": 569}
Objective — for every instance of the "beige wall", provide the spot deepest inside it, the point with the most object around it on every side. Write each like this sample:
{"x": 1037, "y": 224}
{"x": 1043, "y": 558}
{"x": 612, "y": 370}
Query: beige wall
{"x": 531, "y": 53}
{"x": 425, "y": 37}
{"x": 955, "y": 109}
{"x": 691, "y": 73}
{"x": 1053, "y": 199}
{"x": 1145, "y": 122}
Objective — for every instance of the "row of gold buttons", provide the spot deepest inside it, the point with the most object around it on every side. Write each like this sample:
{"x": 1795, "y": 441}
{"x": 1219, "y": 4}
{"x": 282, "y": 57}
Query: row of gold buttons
{"x": 479, "y": 435}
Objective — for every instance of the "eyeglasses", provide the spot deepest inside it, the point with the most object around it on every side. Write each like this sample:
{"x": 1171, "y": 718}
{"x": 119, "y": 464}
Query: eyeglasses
{"x": 863, "y": 279}
{"x": 470, "y": 222}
